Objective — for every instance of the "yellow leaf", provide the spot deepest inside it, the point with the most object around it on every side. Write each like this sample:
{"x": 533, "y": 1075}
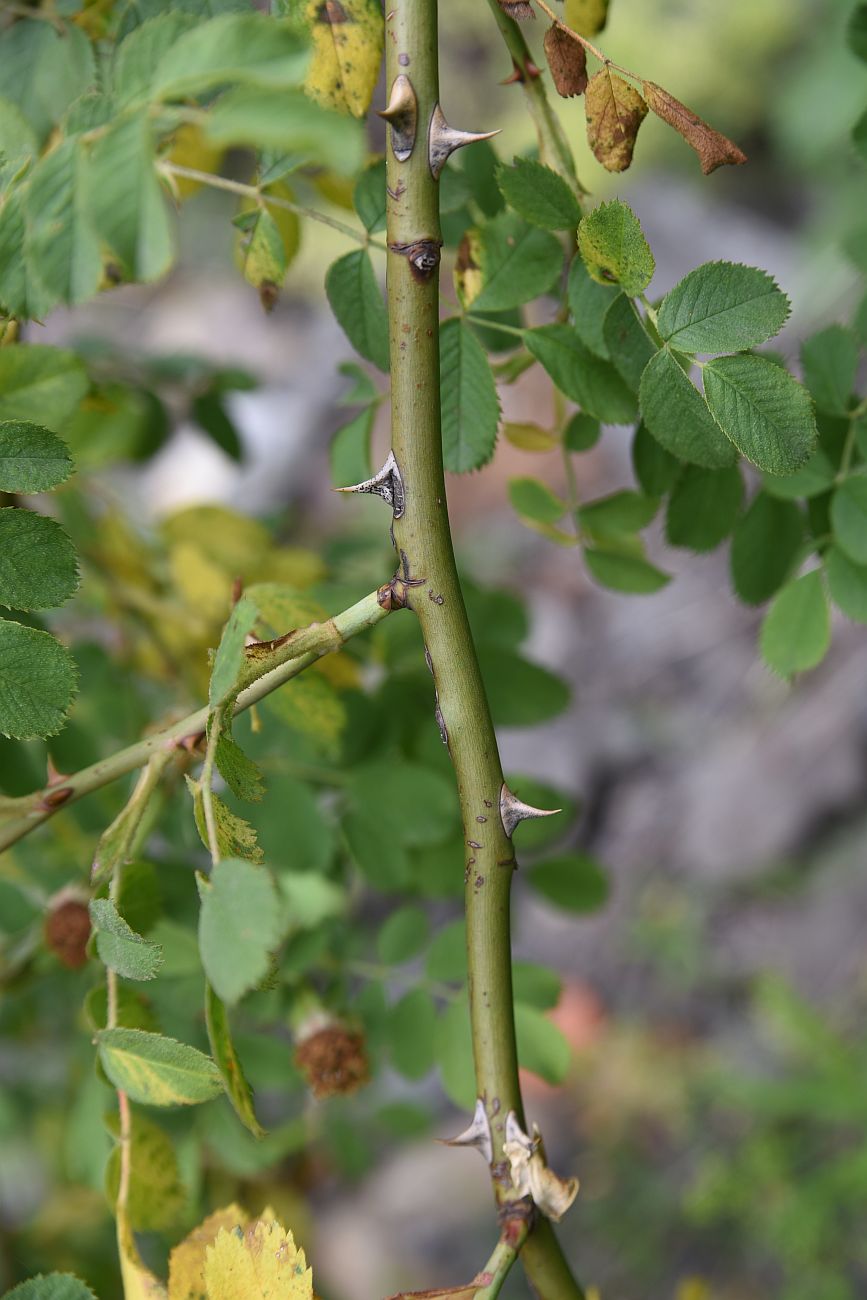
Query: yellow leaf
{"x": 587, "y": 17}
{"x": 156, "y": 1195}
{"x": 292, "y": 565}
{"x": 139, "y": 1282}
{"x": 191, "y": 148}
{"x": 259, "y": 1263}
{"x": 693, "y": 1288}
{"x": 234, "y": 542}
{"x": 201, "y": 584}
{"x": 347, "y": 51}
{"x": 530, "y": 437}
{"x": 187, "y": 1260}
{"x": 615, "y": 111}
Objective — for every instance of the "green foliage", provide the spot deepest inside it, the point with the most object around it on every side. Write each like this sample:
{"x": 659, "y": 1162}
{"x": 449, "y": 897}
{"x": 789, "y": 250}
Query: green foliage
{"x": 468, "y": 399}
{"x": 226, "y": 1059}
{"x": 830, "y": 360}
{"x": 38, "y": 567}
{"x": 703, "y": 507}
{"x": 52, "y": 1286}
{"x": 766, "y": 413}
{"x": 722, "y": 307}
{"x": 239, "y": 926}
{"x": 587, "y": 379}
{"x": 32, "y": 459}
{"x": 506, "y": 263}
{"x": 849, "y": 518}
{"x": 357, "y": 303}
{"x": 614, "y": 249}
{"x": 539, "y": 195}
{"x": 674, "y": 412}
{"x": 119, "y": 947}
{"x": 37, "y": 681}
{"x": 765, "y": 544}
{"x": 157, "y": 1071}
{"x": 574, "y": 882}
{"x": 797, "y": 629}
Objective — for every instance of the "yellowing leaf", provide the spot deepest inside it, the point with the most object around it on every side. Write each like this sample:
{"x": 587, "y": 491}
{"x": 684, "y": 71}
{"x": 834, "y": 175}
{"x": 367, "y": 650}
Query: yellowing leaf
{"x": 586, "y": 16}
{"x": 615, "y": 111}
{"x": 291, "y": 564}
{"x": 139, "y": 1282}
{"x": 230, "y": 540}
{"x": 156, "y": 1195}
{"x": 713, "y": 148}
{"x": 347, "y": 51}
{"x": 259, "y": 1263}
{"x": 311, "y": 705}
{"x": 191, "y": 148}
{"x": 202, "y": 585}
{"x": 530, "y": 437}
{"x": 187, "y": 1260}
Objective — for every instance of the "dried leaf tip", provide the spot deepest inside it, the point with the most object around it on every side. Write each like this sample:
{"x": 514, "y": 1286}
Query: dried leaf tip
{"x": 530, "y": 1174}
{"x": 402, "y": 116}
{"x": 513, "y": 811}
{"x": 444, "y": 140}
{"x": 387, "y": 484}
{"x": 478, "y": 1134}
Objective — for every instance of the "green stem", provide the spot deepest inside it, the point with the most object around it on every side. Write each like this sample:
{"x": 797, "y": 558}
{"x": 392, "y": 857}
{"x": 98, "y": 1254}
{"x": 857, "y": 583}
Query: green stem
{"x": 554, "y": 148}
{"x": 500, "y": 1264}
{"x": 206, "y": 784}
{"x": 272, "y": 669}
{"x": 427, "y": 581}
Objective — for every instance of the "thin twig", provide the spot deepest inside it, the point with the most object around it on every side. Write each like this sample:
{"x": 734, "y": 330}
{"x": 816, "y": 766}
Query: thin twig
{"x": 588, "y": 45}
{"x": 206, "y": 784}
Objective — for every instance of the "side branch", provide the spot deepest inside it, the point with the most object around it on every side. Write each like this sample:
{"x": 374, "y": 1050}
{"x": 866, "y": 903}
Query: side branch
{"x": 270, "y": 666}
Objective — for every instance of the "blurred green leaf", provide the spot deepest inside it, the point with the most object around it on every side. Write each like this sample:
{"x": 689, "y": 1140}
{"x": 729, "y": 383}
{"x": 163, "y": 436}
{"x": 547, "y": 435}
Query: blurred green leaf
{"x": 703, "y": 507}
{"x": 796, "y": 632}
{"x": 239, "y": 927}
{"x": 403, "y": 935}
{"x": 539, "y": 195}
{"x": 574, "y": 881}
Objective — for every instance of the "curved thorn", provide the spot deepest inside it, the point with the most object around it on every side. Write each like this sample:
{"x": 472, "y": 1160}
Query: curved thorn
{"x": 477, "y": 1135}
{"x": 444, "y": 140}
{"x": 402, "y": 116}
{"x": 387, "y": 484}
{"x": 513, "y": 811}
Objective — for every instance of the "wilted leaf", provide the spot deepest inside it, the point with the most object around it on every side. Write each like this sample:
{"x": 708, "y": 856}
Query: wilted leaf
{"x": 156, "y": 1194}
{"x": 615, "y": 111}
{"x": 260, "y": 1263}
{"x": 347, "y": 51}
{"x": 236, "y": 838}
{"x": 567, "y": 60}
{"x": 713, "y": 148}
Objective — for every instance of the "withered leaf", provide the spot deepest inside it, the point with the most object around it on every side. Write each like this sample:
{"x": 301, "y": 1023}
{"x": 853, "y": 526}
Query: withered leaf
{"x": 519, "y": 9}
{"x": 567, "y": 61}
{"x": 713, "y": 148}
{"x": 615, "y": 111}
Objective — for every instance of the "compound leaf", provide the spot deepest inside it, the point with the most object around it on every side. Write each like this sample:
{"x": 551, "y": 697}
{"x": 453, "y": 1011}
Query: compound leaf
{"x": 678, "y": 417}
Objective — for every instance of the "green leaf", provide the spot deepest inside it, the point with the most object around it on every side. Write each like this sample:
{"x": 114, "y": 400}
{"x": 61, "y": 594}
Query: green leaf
{"x": 408, "y": 785}
{"x": 796, "y": 632}
{"x": 232, "y": 48}
{"x": 37, "y": 682}
{"x": 454, "y": 1053}
{"x": 138, "y": 55}
{"x": 38, "y": 565}
{"x": 226, "y": 1057}
{"x": 311, "y": 898}
{"x": 156, "y": 1198}
{"x": 588, "y": 380}
{"x": 532, "y": 499}
{"x": 229, "y": 659}
{"x": 17, "y": 139}
{"x": 521, "y": 693}
{"x": 814, "y": 479}
{"x": 21, "y": 292}
{"x": 703, "y": 507}
{"x": 239, "y": 927}
{"x": 537, "y": 986}
{"x": 42, "y": 384}
{"x": 447, "y": 955}
{"x": 766, "y": 413}
{"x": 157, "y": 1071}
{"x": 125, "y": 200}
{"x": 539, "y": 195}
{"x": 403, "y": 935}
{"x": 506, "y": 263}
{"x": 621, "y": 512}
{"x": 235, "y": 837}
{"x": 655, "y": 468}
{"x": 542, "y": 1047}
{"x": 369, "y": 196}
{"x": 357, "y": 303}
{"x": 830, "y": 361}
{"x": 765, "y": 544}
{"x": 589, "y": 303}
{"x": 625, "y": 572}
{"x": 722, "y": 307}
{"x": 381, "y": 859}
{"x": 119, "y": 947}
{"x": 62, "y": 241}
{"x": 288, "y": 122}
{"x": 350, "y": 449}
{"x": 209, "y": 413}
{"x": 50, "y": 1286}
{"x": 614, "y": 249}
{"x": 857, "y": 31}
{"x": 677, "y": 415}
{"x": 242, "y": 776}
{"x": 847, "y": 583}
{"x": 468, "y": 398}
{"x": 410, "y": 1033}
{"x": 849, "y": 518}
{"x": 42, "y": 72}
{"x": 574, "y": 882}
{"x": 581, "y": 433}
{"x": 626, "y": 341}
{"x": 32, "y": 459}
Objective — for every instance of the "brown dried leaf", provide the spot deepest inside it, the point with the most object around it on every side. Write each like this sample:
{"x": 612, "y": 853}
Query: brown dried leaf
{"x": 713, "y": 149}
{"x": 615, "y": 111}
{"x": 518, "y": 9}
{"x": 567, "y": 61}
{"x": 450, "y": 1293}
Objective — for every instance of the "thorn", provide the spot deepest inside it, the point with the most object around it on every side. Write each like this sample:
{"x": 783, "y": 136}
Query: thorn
{"x": 477, "y": 1135}
{"x": 516, "y": 75}
{"x": 513, "y": 811}
{"x": 53, "y": 777}
{"x": 402, "y": 116}
{"x": 387, "y": 484}
{"x": 444, "y": 140}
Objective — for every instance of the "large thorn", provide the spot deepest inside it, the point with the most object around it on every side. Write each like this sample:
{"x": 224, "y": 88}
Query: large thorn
{"x": 386, "y": 484}
{"x": 402, "y": 116}
{"x": 444, "y": 140}
{"x": 477, "y": 1135}
{"x": 513, "y": 811}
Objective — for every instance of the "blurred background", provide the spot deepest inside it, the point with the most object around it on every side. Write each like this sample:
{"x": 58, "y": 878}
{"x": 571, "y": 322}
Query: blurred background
{"x": 715, "y": 1104}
